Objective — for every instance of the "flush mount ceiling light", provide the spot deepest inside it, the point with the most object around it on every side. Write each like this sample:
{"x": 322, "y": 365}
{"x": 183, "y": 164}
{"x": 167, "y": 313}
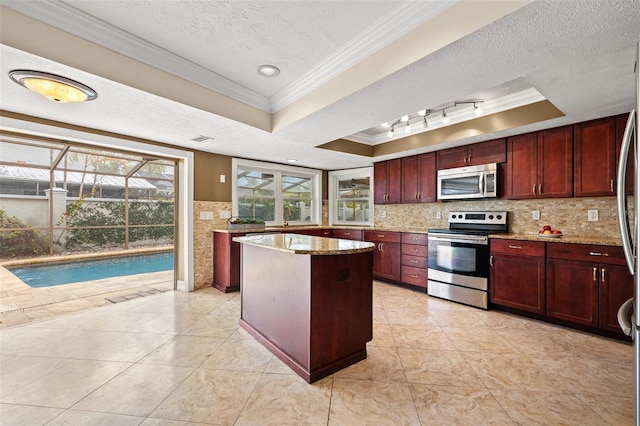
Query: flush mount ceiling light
{"x": 53, "y": 87}
{"x": 268, "y": 70}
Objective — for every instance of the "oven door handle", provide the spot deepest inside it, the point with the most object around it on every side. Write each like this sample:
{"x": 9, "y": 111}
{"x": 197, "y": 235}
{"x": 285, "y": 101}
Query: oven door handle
{"x": 453, "y": 238}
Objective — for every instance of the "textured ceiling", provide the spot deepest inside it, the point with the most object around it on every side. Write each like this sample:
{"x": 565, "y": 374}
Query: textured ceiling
{"x": 170, "y": 71}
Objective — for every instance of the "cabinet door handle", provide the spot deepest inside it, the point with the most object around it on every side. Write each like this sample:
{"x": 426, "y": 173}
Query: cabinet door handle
{"x": 533, "y": 189}
{"x": 602, "y": 275}
{"x": 539, "y": 189}
{"x": 414, "y": 249}
{"x": 611, "y": 186}
{"x": 490, "y": 260}
{"x": 381, "y": 247}
{"x": 347, "y": 233}
{"x": 515, "y": 247}
{"x": 595, "y": 253}
{"x": 469, "y": 162}
{"x": 413, "y": 276}
{"x": 595, "y": 273}
{"x": 380, "y": 235}
{"x": 413, "y": 261}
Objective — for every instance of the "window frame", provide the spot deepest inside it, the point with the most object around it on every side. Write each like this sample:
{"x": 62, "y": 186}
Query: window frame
{"x": 278, "y": 170}
{"x": 334, "y": 178}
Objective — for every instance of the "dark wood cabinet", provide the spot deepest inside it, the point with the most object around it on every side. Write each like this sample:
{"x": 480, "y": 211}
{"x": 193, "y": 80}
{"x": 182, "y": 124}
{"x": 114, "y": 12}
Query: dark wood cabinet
{"x": 540, "y": 164}
{"x": 386, "y": 254}
{"x": 595, "y": 158}
{"x": 494, "y": 151}
{"x": 313, "y": 232}
{"x": 517, "y": 275}
{"x": 586, "y": 284}
{"x": 226, "y": 261}
{"x": 419, "y": 178}
{"x": 387, "y": 182}
{"x": 348, "y": 234}
{"x": 414, "y": 259}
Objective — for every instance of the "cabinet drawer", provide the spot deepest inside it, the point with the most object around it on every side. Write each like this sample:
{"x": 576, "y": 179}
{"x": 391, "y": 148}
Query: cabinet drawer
{"x": 415, "y": 261}
{"x": 414, "y": 276}
{"x": 348, "y": 234}
{"x": 382, "y": 236}
{"x": 520, "y": 247}
{"x": 415, "y": 250}
{"x": 413, "y": 238}
{"x": 587, "y": 253}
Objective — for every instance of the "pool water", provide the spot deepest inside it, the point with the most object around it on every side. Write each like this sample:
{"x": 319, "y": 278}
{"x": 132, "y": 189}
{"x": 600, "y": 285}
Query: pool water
{"x": 54, "y": 274}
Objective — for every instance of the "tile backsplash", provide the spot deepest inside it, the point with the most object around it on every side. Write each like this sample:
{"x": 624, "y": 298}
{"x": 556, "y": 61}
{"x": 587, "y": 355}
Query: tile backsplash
{"x": 567, "y": 214}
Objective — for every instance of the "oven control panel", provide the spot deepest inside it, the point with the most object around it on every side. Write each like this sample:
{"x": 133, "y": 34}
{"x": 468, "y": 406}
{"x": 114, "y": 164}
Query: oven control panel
{"x": 480, "y": 218}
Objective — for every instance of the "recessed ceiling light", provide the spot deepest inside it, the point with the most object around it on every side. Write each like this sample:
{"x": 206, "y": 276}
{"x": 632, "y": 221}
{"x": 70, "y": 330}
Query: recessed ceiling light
{"x": 268, "y": 70}
{"x": 292, "y": 160}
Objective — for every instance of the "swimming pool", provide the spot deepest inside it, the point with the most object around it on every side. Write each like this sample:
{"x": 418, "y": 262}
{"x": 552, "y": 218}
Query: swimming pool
{"x": 53, "y": 274}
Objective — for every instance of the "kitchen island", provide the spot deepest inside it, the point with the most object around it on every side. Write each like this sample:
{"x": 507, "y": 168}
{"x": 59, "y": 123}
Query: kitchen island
{"x": 308, "y": 299}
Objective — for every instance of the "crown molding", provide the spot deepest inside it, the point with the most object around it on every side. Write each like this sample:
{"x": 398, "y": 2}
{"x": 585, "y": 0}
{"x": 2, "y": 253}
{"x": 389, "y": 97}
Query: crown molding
{"x": 401, "y": 21}
{"x": 78, "y": 23}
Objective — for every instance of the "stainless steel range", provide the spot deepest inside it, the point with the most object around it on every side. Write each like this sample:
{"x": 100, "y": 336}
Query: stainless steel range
{"x": 459, "y": 257}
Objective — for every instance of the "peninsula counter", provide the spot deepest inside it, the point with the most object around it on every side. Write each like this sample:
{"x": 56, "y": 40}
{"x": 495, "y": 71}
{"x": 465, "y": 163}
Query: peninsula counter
{"x": 308, "y": 299}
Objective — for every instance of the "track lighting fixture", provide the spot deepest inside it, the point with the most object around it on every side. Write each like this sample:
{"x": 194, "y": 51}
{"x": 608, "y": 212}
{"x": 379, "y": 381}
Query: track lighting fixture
{"x": 423, "y": 113}
{"x": 390, "y": 132}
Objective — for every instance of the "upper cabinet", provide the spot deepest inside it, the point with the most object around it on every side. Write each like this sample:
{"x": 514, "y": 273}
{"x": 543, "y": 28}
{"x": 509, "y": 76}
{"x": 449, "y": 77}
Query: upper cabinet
{"x": 387, "y": 182}
{"x": 540, "y": 164}
{"x": 595, "y": 157}
{"x": 494, "y": 151}
{"x": 419, "y": 178}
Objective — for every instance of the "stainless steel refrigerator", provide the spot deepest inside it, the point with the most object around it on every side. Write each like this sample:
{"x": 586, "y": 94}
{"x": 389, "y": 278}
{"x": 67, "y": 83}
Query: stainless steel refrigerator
{"x": 628, "y": 314}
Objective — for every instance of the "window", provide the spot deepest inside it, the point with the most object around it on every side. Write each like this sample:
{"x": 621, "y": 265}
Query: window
{"x": 350, "y": 192}
{"x": 276, "y": 193}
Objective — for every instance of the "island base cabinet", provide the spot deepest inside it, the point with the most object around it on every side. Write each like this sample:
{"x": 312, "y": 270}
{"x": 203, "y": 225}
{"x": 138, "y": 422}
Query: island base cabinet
{"x": 314, "y": 312}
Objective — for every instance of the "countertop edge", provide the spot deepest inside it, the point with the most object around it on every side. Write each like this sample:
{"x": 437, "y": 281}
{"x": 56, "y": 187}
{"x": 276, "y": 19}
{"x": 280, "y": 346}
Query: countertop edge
{"x": 324, "y": 252}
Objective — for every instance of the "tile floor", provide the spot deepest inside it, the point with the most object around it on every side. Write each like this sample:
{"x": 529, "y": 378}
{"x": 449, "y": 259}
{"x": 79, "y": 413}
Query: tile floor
{"x": 180, "y": 359}
{"x": 21, "y": 304}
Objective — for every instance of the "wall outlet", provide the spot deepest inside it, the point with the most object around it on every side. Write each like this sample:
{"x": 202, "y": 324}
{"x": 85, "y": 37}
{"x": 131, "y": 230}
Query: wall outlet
{"x": 383, "y": 215}
{"x": 225, "y": 214}
{"x": 223, "y": 178}
{"x": 535, "y": 215}
{"x": 438, "y": 215}
{"x": 206, "y": 215}
{"x": 592, "y": 215}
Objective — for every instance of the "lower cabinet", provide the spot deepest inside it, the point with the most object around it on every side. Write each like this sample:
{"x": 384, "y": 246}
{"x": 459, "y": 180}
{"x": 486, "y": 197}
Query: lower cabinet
{"x": 517, "y": 275}
{"x": 226, "y": 261}
{"x": 386, "y": 254}
{"x": 348, "y": 234}
{"x": 586, "y": 284}
{"x": 414, "y": 260}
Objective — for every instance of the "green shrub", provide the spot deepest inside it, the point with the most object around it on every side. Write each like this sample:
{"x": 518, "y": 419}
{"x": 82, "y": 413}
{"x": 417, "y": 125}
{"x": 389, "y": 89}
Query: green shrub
{"x": 25, "y": 242}
{"x": 111, "y": 213}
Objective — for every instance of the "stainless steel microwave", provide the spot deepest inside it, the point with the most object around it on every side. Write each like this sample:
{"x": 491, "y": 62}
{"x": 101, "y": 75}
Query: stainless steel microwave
{"x": 470, "y": 182}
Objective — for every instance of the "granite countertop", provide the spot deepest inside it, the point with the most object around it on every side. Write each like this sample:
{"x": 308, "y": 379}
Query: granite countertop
{"x": 605, "y": 240}
{"x": 306, "y": 244}
{"x": 565, "y": 238}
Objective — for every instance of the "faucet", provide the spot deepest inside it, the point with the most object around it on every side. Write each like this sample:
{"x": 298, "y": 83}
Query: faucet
{"x": 286, "y": 209}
